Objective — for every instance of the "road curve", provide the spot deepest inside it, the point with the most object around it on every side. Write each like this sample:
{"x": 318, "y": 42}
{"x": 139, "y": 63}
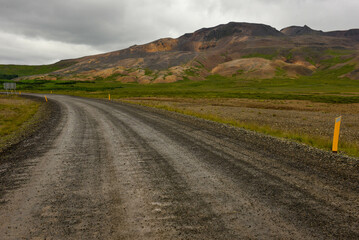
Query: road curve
{"x": 111, "y": 170}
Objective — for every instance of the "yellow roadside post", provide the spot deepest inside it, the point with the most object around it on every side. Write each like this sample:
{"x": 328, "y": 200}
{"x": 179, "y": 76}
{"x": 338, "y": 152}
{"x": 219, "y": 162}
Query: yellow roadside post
{"x": 336, "y": 134}
{"x": 51, "y": 92}
{"x": 109, "y": 97}
{"x": 46, "y": 98}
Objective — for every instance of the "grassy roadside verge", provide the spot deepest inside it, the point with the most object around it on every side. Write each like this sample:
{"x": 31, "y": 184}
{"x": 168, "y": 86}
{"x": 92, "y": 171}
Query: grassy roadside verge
{"x": 349, "y": 148}
{"x": 17, "y": 116}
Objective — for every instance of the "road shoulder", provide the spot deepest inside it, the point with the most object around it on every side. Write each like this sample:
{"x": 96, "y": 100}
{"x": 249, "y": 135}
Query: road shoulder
{"x": 33, "y": 132}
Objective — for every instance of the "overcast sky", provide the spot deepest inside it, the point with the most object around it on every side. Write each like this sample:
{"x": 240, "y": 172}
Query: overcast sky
{"x": 45, "y": 31}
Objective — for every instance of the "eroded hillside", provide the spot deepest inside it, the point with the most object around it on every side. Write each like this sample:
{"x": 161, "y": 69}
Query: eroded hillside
{"x": 241, "y": 50}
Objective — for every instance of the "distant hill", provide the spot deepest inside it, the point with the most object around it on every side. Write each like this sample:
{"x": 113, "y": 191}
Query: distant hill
{"x": 298, "y": 31}
{"x": 12, "y": 71}
{"x": 243, "y": 50}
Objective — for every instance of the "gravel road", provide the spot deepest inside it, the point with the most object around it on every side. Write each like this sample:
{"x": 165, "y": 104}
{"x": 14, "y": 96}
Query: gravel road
{"x": 107, "y": 170}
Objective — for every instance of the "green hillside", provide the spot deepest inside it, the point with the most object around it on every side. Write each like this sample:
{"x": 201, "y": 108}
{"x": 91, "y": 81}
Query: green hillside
{"x": 11, "y": 71}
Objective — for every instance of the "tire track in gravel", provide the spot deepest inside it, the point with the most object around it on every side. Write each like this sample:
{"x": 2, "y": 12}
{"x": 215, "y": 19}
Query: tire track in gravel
{"x": 65, "y": 197}
{"x": 231, "y": 207}
{"x": 314, "y": 213}
{"x": 79, "y": 203}
{"x": 168, "y": 207}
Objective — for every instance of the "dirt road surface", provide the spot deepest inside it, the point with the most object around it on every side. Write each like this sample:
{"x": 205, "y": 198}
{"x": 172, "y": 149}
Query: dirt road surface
{"x": 105, "y": 170}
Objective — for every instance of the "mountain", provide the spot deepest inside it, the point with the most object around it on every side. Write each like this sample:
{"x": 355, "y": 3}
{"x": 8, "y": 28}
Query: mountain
{"x": 298, "y": 31}
{"x": 243, "y": 50}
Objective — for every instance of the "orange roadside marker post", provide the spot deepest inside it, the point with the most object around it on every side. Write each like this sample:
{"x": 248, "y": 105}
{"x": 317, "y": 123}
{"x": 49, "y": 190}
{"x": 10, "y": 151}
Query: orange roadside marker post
{"x": 46, "y": 98}
{"x": 109, "y": 97}
{"x": 336, "y": 134}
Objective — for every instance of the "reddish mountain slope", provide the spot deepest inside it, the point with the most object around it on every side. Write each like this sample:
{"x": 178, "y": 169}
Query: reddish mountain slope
{"x": 235, "y": 49}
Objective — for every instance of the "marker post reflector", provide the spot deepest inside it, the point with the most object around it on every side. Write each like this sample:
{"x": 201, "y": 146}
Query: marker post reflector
{"x": 336, "y": 134}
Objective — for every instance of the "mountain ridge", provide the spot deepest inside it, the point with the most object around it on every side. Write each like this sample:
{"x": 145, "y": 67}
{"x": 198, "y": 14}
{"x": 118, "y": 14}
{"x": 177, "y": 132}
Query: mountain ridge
{"x": 257, "y": 51}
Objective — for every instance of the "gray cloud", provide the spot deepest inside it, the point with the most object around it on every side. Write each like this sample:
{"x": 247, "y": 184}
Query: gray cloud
{"x": 23, "y": 50}
{"x": 43, "y": 31}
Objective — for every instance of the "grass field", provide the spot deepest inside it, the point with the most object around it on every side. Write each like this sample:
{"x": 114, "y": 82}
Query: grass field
{"x": 324, "y": 86}
{"x": 15, "y": 112}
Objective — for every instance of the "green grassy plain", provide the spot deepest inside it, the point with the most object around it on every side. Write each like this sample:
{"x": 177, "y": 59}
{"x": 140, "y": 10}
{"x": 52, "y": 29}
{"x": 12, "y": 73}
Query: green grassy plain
{"x": 15, "y": 112}
{"x": 323, "y": 86}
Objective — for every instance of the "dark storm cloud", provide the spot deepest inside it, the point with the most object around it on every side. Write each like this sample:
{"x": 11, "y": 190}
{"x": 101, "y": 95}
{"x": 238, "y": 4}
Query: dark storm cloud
{"x": 90, "y": 22}
{"x": 41, "y": 31}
